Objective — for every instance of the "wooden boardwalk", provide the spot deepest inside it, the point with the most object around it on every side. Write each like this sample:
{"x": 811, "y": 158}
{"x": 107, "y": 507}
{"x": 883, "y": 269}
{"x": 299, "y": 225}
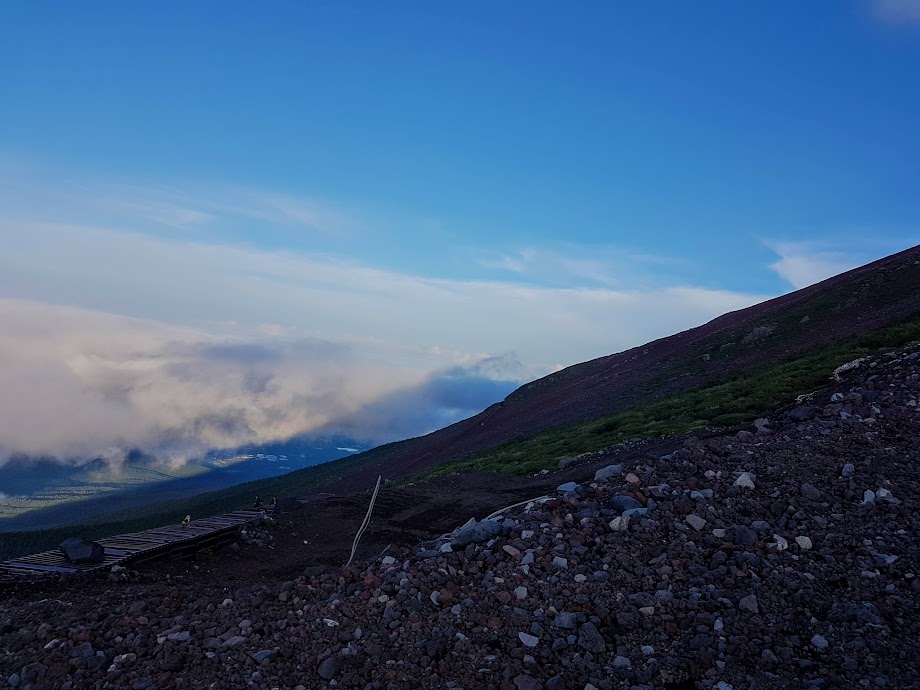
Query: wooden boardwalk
{"x": 135, "y": 547}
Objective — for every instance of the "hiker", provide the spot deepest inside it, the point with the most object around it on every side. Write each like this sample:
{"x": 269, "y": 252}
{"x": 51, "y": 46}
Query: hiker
{"x": 258, "y": 504}
{"x": 188, "y": 519}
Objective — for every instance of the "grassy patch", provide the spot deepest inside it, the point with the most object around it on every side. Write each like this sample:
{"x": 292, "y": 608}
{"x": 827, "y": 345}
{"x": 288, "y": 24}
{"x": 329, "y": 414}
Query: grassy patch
{"x": 737, "y": 399}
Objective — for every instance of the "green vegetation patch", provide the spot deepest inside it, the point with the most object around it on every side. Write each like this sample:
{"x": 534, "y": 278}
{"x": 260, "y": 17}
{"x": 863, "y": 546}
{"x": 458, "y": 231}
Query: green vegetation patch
{"x": 734, "y": 400}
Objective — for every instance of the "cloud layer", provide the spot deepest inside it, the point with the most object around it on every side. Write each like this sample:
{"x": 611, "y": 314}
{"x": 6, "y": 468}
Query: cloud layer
{"x": 78, "y": 384}
{"x": 147, "y": 321}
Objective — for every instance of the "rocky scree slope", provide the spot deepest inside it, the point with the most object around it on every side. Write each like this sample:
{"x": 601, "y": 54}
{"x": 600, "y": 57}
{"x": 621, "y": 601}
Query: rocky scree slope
{"x": 780, "y": 559}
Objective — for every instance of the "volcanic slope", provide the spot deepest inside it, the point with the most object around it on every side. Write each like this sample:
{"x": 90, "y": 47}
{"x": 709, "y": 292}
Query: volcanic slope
{"x": 780, "y": 559}
{"x": 857, "y": 302}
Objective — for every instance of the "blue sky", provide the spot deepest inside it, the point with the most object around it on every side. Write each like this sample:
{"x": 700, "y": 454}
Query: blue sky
{"x": 430, "y": 186}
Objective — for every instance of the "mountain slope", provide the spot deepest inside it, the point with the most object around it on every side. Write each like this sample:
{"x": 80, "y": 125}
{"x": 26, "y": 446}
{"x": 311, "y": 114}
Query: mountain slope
{"x": 859, "y": 301}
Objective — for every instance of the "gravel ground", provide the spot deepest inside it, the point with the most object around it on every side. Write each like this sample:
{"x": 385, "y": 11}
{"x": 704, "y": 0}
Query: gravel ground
{"x": 781, "y": 557}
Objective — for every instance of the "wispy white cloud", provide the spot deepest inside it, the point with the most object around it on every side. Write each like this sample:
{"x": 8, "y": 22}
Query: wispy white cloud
{"x": 598, "y": 265}
{"x": 805, "y": 263}
{"x": 189, "y": 282}
{"x": 897, "y": 11}
{"x": 28, "y": 190}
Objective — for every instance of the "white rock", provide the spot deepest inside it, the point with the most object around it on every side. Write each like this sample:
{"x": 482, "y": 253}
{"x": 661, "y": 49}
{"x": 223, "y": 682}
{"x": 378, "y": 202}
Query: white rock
{"x": 745, "y": 481}
{"x": 528, "y": 640}
{"x": 780, "y": 543}
{"x": 520, "y": 592}
{"x": 803, "y": 542}
{"x": 718, "y": 533}
{"x": 388, "y": 560}
{"x": 619, "y": 524}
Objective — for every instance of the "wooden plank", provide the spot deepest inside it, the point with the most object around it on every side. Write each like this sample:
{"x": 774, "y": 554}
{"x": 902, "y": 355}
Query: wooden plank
{"x": 136, "y": 545}
{"x": 35, "y": 566}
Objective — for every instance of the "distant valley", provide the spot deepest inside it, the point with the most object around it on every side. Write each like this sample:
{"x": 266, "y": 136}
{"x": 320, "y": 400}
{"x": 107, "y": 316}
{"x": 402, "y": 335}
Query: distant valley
{"x": 43, "y": 493}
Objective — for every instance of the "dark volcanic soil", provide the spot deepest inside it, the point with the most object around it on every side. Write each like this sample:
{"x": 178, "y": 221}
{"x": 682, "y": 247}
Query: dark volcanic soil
{"x": 318, "y": 534}
{"x": 779, "y": 558}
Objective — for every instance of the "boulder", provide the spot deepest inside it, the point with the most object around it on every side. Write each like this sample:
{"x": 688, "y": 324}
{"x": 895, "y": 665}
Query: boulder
{"x": 476, "y": 532}
{"x": 80, "y": 550}
{"x": 606, "y": 473}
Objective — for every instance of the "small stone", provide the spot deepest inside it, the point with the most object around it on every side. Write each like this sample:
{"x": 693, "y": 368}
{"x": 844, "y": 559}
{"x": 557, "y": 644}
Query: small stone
{"x": 696, "y": 522}
{"x": 810, "y": 492}
{"x": 745, "y": 536}
{"x": 566, "y": 620}
{"x": 749, "y": 604}
{"x": 263, "y": 655}
{"x": 631, "y": 478}
{"x": 568, "y": 486}
{"x": 780, "y": 543}
{"x": 718, "y": 625}
{"x": 719, "y": 533}
{"x": 803, "y": 542}
{"x": 621, "y": 662}
{"x": 561, "y": 562}
{"x": 745, "y": 481}
{"x": 848, "y": 470}
{"x": 520, "y": 593}
{"x": 525, "y": 682}
{"x": 624, "y": 503}
{"x": 511, "y": 551}
{"x": 819, "y": 643}
{"x": 647, "y": 610}
{"x": 528, "y": 640}
{"x": 648, "y": 650}
{"x": 619, "y": 524}
{"x": 331, "y": 667}
{"x": 868, "y": 497}
{"x": 589, "y": 639}
{"x": 388, "y": 560}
